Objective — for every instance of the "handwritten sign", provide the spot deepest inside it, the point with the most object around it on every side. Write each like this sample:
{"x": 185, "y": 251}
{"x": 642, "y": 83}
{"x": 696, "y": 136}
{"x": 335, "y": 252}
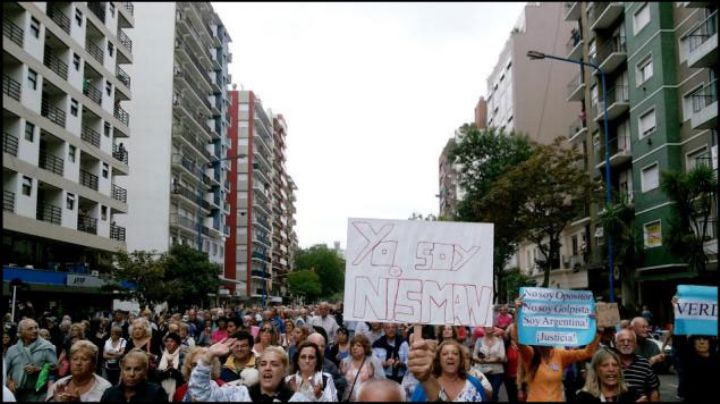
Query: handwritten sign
{"x": 419, "y": 272}
{"x": 696, "y": 311}
{"x": 608, "y": 314}
{"x": 126, "y": 305}
{"x": 556, "y": 317}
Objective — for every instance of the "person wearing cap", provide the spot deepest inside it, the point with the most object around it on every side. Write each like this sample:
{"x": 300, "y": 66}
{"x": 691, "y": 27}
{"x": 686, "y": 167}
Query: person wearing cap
{"x": 169, "y": 369}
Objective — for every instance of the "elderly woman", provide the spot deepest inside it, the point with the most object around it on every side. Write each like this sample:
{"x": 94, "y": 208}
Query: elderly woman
{"x": 268, "y": 337}
{"x": 446, "y": 378}
{"x": 604, "y": 381}
{"x": 358, "y": 367}
{"x": 134, "y": 385}
{"x": 114, "y": 349}
{"x": 309, "y": 379}
{"x": 25, "y": 361}
{"x": 76, "y": 333}
{"x": 82, "y": 384}
{"x": 141, "y": 338}
{"x": 192, "y": 357}
{"x": 272, "y": 364}
{"x": 168, "y": 371}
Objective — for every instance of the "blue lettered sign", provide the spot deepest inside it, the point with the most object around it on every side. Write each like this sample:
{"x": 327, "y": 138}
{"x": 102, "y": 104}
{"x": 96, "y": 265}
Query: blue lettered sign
{"x": 556, "y": 317}
{"x": 696, "y": 311}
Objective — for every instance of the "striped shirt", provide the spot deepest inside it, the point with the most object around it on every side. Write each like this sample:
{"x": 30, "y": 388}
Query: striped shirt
{"x": 640, "y": 377}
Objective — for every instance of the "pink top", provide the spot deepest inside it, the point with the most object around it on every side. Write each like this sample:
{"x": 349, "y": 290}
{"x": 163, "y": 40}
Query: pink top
{"x": 218, "y": 335}
{"x": 503, "y": 320}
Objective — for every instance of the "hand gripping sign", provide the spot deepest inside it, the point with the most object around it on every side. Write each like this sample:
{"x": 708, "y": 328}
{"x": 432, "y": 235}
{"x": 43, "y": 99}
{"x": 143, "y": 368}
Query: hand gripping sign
{"x": 696, "y": 311}
{"x": 419, "y": 272}
{"x": 556, "y": 317}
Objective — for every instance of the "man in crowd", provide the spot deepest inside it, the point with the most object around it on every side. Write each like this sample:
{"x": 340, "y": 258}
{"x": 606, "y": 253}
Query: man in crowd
{"x": 639, "y": 376}
{"x": 326, "y": 321}
{"x": 25, "y": 361}
{"x": 388, "y": 348}
{"x": 645, "y": 347}
{"x": 241, "y": 359}
{"x": 381, "y": 390}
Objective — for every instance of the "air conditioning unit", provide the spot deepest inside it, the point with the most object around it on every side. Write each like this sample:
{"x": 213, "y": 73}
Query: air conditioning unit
{"x": 95, "y": 272}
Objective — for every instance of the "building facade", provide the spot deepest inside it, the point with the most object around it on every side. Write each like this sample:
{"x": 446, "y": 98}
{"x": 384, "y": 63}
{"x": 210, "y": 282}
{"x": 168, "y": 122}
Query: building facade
{"x": 181, "y": 115}
{"x": 65, "y": 87}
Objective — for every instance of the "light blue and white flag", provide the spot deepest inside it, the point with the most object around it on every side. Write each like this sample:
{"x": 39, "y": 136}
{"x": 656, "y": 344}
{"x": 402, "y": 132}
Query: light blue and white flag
{"x": 556, "y": 317}
{"x": 696, "y": 311}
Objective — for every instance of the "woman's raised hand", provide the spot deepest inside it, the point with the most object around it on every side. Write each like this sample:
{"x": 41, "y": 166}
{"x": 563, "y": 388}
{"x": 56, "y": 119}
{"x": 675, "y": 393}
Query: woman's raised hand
{"x": 221, "y": 348}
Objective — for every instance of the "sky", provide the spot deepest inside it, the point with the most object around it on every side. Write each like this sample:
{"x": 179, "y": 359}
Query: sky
{"x": 371, "y": 92}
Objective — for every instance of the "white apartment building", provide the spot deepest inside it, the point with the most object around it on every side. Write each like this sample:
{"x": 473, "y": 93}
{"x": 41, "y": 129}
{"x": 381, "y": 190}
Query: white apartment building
{"x": 66, "y": 86}
{"x": 180, "y": 113}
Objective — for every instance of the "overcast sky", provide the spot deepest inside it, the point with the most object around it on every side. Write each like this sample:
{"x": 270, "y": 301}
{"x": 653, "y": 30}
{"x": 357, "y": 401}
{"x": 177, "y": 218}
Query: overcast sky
{"x": 371, "y": 92}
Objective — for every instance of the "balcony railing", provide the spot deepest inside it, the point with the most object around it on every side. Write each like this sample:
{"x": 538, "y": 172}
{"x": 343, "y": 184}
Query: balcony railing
{"x": 117, "y": 232}
{"x": 88, "y": 179}
{"x": 90, "y": 135}
{"x": 94, "y": 50}
{"x": 54, "y": 63}
{"x": 10, "y": 144}
{"x": 704, "y": 96}
{"x": 93, "y": 93}
{"x": 703, "y": 32}
{"x": 119, "y": 193}
{"x": 122, "y": 76}
{"x": 12, "y": 31}
{"x": 8, "y": 201}
{"x": 616, "y": 46}
{"x": 122, "y": 115}
{"x": 59, "y": 17}
{"x": 51, "y": 162}
{"x": 195, "y": 142}
{"x": 120, "y": 154}
{"x": 53, "y": 113}
{"x": 48, "y": 212}
{"x": 97, "y": 8}
{"x": 87, "y": 224}
{"x": 183, "y": 221}
{"x": 11, "y": 87}
{"x": 125, "y": 40}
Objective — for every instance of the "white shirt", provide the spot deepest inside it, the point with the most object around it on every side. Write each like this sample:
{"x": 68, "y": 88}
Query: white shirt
{"x": 328, "y": 323}
{"x": 117, "y": 350}
{"x": 329, "y": 392}
{"x": 94, "y": 394}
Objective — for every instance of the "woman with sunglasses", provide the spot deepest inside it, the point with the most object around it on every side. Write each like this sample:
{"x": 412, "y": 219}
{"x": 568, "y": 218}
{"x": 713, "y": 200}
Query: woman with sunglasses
{"x": 309, "y": 379}
{"x": 267, "y": 337}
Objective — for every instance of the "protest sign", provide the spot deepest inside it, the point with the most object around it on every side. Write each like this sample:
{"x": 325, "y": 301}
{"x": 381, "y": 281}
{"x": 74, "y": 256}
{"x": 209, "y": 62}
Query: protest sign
{"x": 130, "y": 306}
{"x": 608, "y": 314}
{"x": 419, "y": 272}
{"x": 696, "y": 311}
{"x": 556, "y": 317}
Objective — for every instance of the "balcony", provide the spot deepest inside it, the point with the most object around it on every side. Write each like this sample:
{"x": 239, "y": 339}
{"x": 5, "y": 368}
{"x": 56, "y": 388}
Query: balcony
{"x": 88, "y": 179}
{"x": 94, "y": 50}
{"x": 50, "y": 213}
{"x": 618, "y": 103}
{"x": 97, "y": 8}
{"x": 703, "y": 43}
{"x": 119, "y": 154}
{"x": 705, "y": 107}
{"x": 51, "y": 163}
{"x": 87, "y": 224}
{"x": 620, "y": 152}
{"x": 612, "y": 54}
{"x": 572, "y": 10}
{"x": 181, "y": 221}
{"x": 12, "y": 31}
{"x": 577, "y": 130}
{"x": 574, "y": 46}
{"x": 90, "y": 136}
{"x": 576, "y": 89}
{"x": 125, "y": 40}
{"x": 11, "y": 88}
{"x": 10, "y": 144}
{"x": 8, "y": 201}
{"x": 604, "y": 14}
{"x": 260, "y": 274}
{"x": 122, "y": 76}
{"x": 58, "y": 17}
{"x": 196, "y": 143}
{"x": 117, "y": 232}
{"x": 122, "y": 115}
{"x": 53, "y": 113}
{"x": 93, "y": 93}
{"x": 119, "y": 193}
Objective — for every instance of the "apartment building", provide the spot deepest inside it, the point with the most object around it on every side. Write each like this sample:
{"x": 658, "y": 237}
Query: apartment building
{"x": 65, "y": 89}
{"x": 180, "y": 111}
{"x": 660, "y": 63}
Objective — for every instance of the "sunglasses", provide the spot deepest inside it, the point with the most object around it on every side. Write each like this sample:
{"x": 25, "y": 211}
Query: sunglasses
{"x": 267, "y": 330}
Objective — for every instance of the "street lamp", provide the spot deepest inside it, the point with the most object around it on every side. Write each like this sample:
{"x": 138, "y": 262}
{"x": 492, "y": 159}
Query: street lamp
{"x": 535, "y": 55}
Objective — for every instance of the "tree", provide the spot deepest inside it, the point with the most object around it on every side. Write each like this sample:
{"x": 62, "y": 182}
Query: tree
{"x": 327, "y": 264}
{"x": 692, "y": 193}
{"x": 146, "y": 270}
{"x": 513, "y": 280}
{"x": 305, "y": 283}
{"x": 483, "y": 157}
{"x": 549, "y": 190}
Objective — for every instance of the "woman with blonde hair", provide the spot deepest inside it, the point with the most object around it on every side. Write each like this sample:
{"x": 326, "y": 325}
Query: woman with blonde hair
{"x": 192, "y": 357}
{"x": 605, "y": 382}
{"x": 134, "y": 385}
{"x": 141, "y": 338}
{"x": 82, "y": 384}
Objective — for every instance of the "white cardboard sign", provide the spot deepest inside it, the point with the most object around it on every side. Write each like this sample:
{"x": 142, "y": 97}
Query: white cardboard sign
{"x": 421, "y": 272}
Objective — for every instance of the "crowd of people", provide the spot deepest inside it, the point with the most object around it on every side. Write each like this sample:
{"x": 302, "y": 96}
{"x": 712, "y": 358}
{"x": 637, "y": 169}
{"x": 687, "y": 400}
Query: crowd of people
{"x": 309, "y": 353}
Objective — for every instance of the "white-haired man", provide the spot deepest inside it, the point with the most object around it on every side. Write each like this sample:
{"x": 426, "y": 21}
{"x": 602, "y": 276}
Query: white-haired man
{"x": 326, "y": 321}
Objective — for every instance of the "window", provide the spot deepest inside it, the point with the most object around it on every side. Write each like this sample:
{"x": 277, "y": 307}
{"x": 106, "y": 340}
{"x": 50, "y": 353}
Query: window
{"x": 652, "y": 234}
{"x": 105, "y": 170}
{"x": 73, "y": 107}
{"x": 78, "y": 17}
{"x": 70, "y": 201}
{"x": 35, "y": 27}
{"x": 111, "y": 48}
{"x": 29, "y": 131}
{"x": 32, "y": 79}
{"x": 108, "y": 87}
{"x": 103, "y": 212}
{"x": 699, "y": 157}
{"x": 646, "y": 125}
{"x": 26, "y": 186}
{"x": 71, "y": 153}
{"x": 107, "y": 129}
{"x": 76, "y": 61}
{"x": 650, "y": 178}
{"x": 575, "y": 245}
{"x": 641, "y": 18}
{"x": 644, "y": 70}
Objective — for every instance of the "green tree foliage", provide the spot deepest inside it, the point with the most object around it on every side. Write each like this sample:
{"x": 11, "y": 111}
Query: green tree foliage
{"x": 305, "y": 283}
{"x": 145, "y": 269}
{"x": 549, "y": 190}
{"x": 513, "y": 280}
{"x": 618, "y": 222}
{"x": 690, "y": 223}
{"x": 327, "y": 264}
